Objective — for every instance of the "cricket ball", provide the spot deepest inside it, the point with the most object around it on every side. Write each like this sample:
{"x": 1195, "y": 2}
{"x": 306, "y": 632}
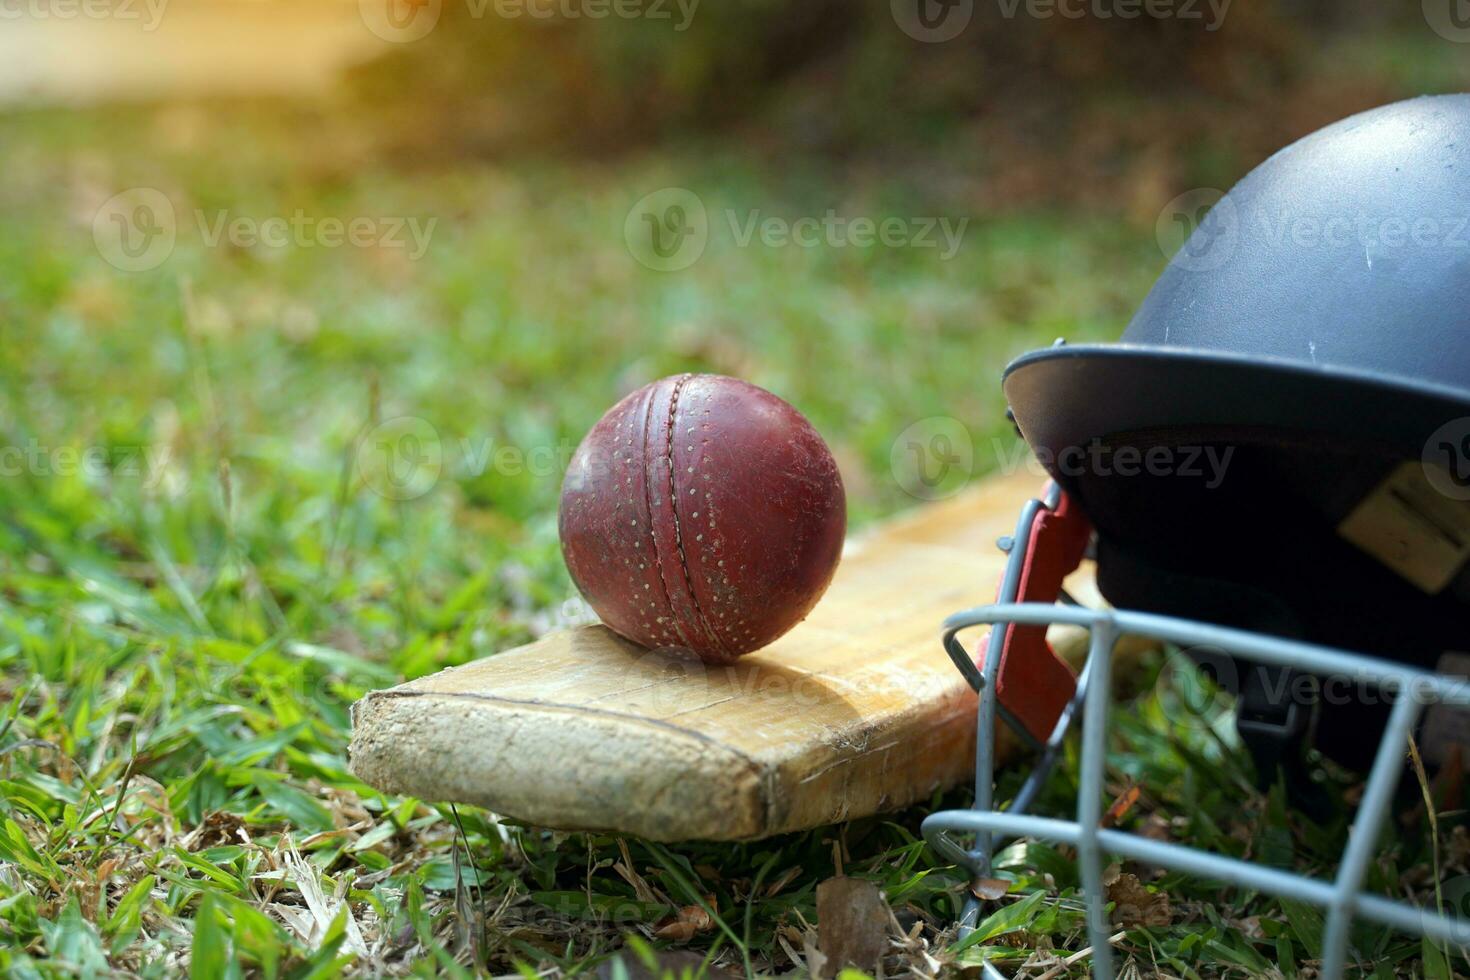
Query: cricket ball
{"x": 702, "y": 512}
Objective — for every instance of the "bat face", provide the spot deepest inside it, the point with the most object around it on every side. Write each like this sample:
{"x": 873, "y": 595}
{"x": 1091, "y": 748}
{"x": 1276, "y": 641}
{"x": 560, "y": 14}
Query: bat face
{"x": 853, "y": 711}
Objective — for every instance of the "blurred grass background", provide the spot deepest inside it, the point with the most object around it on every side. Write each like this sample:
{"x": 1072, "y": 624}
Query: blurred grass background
{"x": 183, "y": 626}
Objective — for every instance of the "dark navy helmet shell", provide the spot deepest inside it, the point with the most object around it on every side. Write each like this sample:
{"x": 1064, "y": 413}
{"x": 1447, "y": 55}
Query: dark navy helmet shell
{"x": 1281, "y": 441}
{"x": 1328, "y": 290}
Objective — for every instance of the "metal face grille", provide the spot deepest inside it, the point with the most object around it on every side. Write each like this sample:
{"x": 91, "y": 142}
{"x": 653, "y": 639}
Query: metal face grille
{"x": 1342, "y": 898}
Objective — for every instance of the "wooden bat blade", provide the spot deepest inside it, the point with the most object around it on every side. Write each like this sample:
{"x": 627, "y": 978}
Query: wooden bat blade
{"x": 855, "y": 711}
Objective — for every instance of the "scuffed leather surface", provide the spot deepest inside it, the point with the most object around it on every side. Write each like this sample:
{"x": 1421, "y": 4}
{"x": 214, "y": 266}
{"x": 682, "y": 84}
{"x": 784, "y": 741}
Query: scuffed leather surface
{"x": 704, "y": 513}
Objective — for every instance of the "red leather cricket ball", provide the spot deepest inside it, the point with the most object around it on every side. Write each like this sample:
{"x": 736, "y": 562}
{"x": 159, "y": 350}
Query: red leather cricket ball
{"x": 702, "y": 512}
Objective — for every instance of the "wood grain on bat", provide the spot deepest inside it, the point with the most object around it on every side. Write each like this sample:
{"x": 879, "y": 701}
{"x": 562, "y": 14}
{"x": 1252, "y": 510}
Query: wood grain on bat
{"x": 855, "y": 711}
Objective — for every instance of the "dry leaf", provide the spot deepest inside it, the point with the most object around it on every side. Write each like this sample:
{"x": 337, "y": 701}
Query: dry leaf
{"x": 787, "y": 877}
{"x": 1155, "y": 827}
{"x": 1250, "y": 927}
{"x": 684, "y": 925}
{"x": 796, "y": 958}
{"x": 217, "y": 829}
{"x": 852, "y": 924}
{"x": 990, "y": 889}
{"x": 1135, "y": 905}
{"x": 1121, "y": 806}
{"x": 641, "y": 889}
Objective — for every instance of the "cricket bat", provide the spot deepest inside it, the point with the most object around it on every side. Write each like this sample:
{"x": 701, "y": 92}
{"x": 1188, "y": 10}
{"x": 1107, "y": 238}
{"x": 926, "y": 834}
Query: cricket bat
{"x": 856, "y": 710}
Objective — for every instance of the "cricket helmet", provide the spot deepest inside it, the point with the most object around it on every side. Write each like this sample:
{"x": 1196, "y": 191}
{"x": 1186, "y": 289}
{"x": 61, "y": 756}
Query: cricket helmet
{"x": 1272, "y": 471}
{"x": 1285, "y": 429}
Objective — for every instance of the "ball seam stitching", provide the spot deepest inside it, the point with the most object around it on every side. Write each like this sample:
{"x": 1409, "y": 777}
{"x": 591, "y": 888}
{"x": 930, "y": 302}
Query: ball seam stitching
{"x": 703, "y": 620}
{"x": 652, "y": 536}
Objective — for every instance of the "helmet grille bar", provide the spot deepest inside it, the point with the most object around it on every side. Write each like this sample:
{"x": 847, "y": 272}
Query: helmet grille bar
{"x": 1344, "y": 899}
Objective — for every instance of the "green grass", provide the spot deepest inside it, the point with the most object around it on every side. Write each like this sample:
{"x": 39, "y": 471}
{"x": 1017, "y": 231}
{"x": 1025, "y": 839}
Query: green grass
{"x": 181, "y": 637}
